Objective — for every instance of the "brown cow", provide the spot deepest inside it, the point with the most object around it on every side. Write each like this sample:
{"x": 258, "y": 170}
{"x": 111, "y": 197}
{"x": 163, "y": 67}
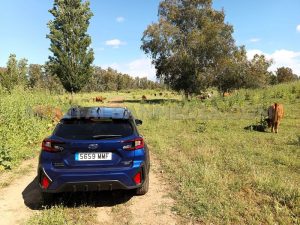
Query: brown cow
{"x": 48, "y": 112}
{"x": 144, "y": 98}
{"x": 99, "y": 99}
{"x": 275, "y": 114}
{"x": 226, "y": 94}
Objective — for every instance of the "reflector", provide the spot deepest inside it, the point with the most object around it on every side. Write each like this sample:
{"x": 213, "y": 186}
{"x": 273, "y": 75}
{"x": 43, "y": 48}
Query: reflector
{"x": 138, "y": 178}
{"x": 45, "y": 182}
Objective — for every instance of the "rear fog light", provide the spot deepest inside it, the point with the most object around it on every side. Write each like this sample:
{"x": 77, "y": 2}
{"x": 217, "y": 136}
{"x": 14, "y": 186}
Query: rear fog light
{"x": 45, "y": 182}
{"x": 138, "y": 178}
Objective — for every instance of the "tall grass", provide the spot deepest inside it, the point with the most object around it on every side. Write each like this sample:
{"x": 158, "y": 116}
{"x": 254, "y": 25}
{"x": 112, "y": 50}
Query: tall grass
{"x": 20, "y": 131}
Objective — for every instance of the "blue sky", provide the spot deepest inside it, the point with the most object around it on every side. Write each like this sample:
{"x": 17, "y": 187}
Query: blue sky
{"x": 270, "y": 27}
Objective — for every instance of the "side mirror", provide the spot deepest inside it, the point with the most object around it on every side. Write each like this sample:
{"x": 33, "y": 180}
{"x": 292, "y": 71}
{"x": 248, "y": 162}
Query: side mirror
{"x": 138, "y": 122}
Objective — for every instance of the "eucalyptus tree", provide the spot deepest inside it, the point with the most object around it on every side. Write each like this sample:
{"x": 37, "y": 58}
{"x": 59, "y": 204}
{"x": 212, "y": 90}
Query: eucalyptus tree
{"x": 187, "y": 43}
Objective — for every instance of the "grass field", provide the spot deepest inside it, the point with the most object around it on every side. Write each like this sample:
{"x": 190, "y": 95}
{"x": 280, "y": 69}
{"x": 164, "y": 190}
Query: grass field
{"x": 220, "y": 173}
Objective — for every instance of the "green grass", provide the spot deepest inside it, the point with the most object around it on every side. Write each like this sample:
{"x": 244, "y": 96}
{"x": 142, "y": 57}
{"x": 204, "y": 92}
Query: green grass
{"x": 223, "y": 173}
{"x": 220, "y": 172}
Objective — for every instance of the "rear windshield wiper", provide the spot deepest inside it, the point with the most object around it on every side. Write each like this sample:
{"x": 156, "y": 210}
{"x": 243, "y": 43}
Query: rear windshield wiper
{"x": 103, "y": 136}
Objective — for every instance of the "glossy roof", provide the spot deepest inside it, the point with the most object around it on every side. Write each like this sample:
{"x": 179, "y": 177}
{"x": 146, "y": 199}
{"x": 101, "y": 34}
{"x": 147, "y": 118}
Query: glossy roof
{"x": 98, "y": 112}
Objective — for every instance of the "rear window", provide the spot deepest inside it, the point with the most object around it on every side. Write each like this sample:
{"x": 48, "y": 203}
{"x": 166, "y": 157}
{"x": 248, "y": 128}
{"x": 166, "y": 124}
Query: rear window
{"x": 93, "y": 129}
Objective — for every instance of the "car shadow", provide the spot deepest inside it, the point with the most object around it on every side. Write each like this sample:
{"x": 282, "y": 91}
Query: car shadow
{"x": 32, "y": 197}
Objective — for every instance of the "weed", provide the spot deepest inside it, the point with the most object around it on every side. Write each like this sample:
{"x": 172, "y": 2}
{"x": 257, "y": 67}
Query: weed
{"x": 202, "y": 126}
{"x": 5, "y": 158}
{"x": 62, "y": 215}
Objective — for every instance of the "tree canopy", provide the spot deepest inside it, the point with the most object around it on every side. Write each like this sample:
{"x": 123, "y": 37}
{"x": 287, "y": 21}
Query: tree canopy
{"x": 285, "y": 74}
{"x": 70, "y": 43}
{"x": 187, "y": 43}
{"x": 15, "y": 73}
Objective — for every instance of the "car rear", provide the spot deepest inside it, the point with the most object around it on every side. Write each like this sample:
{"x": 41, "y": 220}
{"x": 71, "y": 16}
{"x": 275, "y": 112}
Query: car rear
{"x": 93, "y": 154}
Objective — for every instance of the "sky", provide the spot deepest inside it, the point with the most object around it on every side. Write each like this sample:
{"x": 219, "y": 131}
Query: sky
{"x": 270, "y": 27}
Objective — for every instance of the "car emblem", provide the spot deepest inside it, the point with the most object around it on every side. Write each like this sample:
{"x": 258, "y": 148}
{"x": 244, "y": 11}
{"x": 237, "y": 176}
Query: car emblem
{"x": 93, "y": 146}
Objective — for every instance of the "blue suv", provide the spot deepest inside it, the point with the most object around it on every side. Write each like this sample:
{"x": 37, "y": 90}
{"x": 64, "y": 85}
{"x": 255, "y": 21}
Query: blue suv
{"x": 94, "y": 149}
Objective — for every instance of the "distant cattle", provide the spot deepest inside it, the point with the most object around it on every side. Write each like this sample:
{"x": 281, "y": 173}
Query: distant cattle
{"x": 160, "y": 94}
{"x": 203, "y": 96}
{"x": 99, "y": 99}
{"x": 144, "y": 98}
{"x": 275, "y": 114}
{"x": 226, "y": 94}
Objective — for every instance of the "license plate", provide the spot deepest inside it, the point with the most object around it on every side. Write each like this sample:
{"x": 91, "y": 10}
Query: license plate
{"x": 90, "y": 156}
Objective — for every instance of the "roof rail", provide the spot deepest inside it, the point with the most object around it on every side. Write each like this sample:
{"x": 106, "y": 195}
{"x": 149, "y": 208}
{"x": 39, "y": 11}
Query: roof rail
{"x": 74, "y": 110}
{"x": 125, "y": 111}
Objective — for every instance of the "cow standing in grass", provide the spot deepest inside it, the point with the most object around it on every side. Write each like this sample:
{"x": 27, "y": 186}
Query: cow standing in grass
{"x": 275, "y": 114}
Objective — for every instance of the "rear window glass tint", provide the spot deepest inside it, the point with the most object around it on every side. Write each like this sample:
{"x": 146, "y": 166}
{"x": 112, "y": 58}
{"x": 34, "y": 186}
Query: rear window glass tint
{"x": 93, "y": 129}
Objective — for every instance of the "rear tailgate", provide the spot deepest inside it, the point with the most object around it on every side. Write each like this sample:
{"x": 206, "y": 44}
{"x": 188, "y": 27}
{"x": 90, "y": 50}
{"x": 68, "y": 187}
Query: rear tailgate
{"x": 97, "y": 154}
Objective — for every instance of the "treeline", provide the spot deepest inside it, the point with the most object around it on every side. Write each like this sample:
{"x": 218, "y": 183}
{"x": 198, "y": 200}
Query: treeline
{"x": 18, "y": 72}
{"x": 112, "y": 80}
{"x": 238, "y": 71}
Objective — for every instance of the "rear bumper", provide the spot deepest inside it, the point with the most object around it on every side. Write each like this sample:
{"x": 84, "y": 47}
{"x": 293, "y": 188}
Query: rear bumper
{"x": 108, "y": 185}
{"x": 68, "y": 180}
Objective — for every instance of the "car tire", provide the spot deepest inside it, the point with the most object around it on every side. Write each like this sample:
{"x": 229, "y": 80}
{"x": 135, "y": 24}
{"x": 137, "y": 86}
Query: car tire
{"x": 144, "y": 188}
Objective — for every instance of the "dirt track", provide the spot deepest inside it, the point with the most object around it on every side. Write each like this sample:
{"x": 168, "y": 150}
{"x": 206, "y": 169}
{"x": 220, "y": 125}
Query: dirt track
{"x": 20, "y": 199}
{"x": 12, "y": 207}
{"x": 152, "y": 208}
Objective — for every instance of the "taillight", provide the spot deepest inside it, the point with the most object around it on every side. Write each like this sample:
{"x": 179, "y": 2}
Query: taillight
{"x": 52, "y": 146}
{"x": 138, "y": 178}
{"x": 134, "y": 144}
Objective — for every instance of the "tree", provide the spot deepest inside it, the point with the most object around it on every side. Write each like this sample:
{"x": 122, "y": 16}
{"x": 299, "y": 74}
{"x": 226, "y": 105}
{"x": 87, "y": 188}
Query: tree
{"x": 70, "y": 43}
{"x": 51, "y": 81}
{"x": 273, "y": 79}
{"x": 15, "y": 73}
{"x": 2, "y": 75}
{"x": 187, "y": 43}
{"x": 232, "y": 71}
{"x": 285, "y": 74}
{"x": 35, "y": 75}
{"x": 11, "y": 75}
{"x": 22, "y": 72}
{"x": 258, "y": 75}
